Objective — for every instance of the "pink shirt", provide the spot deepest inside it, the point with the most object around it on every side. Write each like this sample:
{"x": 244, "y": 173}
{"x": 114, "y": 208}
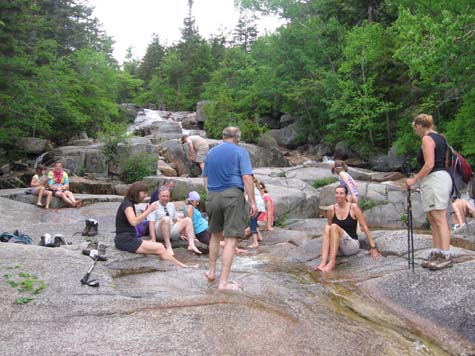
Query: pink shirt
{"x": 263, "y": 216}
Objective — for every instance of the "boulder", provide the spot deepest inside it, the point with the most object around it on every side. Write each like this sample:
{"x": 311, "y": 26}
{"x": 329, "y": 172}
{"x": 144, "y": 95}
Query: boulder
{"x": 287, "y": 136}
{"x": 173, "y": 152}
{"x": 342, "y": 151}
{"x": 265, "y": 156}
{"x": 82, "y": 142}
{"x": 267, "y": 141}
{"x": 386, "y": 162}
{"x": 33, "y": 145}
{"x": 321, "y": 150}
{"x": 165, "y": 169}
{"x": 287, "y": 119}
{"x": 79, "y": 159}
{"x": 135, "y": 146}
{"x": 95, "y": 162}
{"x": 89, "y": 186}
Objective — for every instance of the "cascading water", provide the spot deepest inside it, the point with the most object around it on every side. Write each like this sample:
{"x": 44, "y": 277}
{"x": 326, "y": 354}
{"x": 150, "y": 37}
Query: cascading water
{"x": 148, "y": 118}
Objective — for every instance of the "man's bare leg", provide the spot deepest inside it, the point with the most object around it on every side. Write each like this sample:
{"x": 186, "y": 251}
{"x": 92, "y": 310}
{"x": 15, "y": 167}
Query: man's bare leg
{"x": 63, "y": 196}
{"x": 213, "y": 254}
{"x": 226, "y": 262}
{"x": 164, "y": 226}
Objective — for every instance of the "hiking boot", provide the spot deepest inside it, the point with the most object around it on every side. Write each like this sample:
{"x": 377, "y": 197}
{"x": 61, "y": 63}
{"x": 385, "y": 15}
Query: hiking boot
{"x": 87, "y": 228}
{"x": 442, "y": 261}
{"x": 58, "y": 240}
{"x": 93, "y": 227}
{"x": 432, "y": 257}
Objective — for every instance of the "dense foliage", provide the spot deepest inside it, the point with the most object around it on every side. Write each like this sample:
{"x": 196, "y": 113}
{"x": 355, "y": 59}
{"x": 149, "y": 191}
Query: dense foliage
{"x": 57, "y": 75}
{"x": 350, "y": 70}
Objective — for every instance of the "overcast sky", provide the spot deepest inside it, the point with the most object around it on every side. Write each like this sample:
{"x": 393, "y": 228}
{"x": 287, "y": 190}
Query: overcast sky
{"x": 132, "y": 22}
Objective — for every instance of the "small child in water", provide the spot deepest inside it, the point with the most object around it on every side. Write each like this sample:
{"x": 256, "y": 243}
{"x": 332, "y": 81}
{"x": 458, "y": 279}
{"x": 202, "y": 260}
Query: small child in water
{"x": 340, "y": 168}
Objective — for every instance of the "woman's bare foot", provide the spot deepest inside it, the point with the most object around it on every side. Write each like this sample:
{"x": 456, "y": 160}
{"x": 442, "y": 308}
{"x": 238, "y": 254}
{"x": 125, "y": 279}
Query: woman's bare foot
{"x": 39, "y": 205}
{"x": 253, "y": 245}
{"x": 210, "y": 276}
{"x": 320, "y": 266}
{"x": 330, "y": 266}
{"x": 78, "y": 203}
{"x": 194, "y": 249}
{"x": 192, "y": 266}
{"x": 170, "y": 251}
{"x": 230, "y": 286}
{"x": 241, "y": 251}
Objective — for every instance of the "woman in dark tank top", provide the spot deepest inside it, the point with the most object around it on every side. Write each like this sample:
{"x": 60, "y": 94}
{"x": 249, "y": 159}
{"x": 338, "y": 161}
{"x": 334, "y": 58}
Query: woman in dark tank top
{"x": 436, "y": 188}
{"x": 340, "y": 232}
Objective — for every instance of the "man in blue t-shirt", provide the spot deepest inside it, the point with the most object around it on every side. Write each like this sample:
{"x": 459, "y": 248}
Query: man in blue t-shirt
{"x": 227, "y": 173}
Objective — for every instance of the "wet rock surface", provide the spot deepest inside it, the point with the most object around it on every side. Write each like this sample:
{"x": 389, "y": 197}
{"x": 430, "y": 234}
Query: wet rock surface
{"x": 145, "y": 306}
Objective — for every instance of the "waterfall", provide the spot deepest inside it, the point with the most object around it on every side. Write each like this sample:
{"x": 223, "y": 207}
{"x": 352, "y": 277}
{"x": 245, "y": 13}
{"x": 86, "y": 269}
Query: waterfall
{"x": 147, "y": 117}
{"x": 39, "y": 159}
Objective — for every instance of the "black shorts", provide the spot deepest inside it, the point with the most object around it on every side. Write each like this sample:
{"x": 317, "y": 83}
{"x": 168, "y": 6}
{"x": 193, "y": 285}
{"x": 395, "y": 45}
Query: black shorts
{"x": 126, "y": 241}
{"x": 204, "y": 237}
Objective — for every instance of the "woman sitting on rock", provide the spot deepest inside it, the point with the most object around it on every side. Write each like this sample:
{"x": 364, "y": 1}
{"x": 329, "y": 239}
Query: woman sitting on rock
{"x": 340, "y": 232}
{"x": 38, "y": 185}
{"x": 200, "y": 224}
{"x": 126, "y": 220}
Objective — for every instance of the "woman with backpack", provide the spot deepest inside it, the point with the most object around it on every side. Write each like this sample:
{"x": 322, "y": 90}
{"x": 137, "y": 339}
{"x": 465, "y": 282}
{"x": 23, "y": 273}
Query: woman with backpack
{"x": 436, "y": 187}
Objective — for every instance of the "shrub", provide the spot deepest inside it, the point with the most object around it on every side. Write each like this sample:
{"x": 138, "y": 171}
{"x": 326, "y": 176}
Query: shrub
{"x": 137, "y": 167}
{"x": 369, "y": 204}
{"x": 323, "y": 182}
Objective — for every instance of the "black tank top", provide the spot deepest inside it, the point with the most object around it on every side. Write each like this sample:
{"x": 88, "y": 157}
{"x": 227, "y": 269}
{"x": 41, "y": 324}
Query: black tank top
{"x": 440, "y": 152}
{"x": 348, "y": 224}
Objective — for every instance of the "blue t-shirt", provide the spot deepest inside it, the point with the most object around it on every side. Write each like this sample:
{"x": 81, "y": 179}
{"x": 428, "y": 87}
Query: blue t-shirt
{"x": 225, "y": 165}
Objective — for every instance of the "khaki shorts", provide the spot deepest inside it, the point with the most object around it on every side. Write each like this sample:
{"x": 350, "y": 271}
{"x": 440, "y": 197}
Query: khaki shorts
{"x": 201, "y": 153}
{"x": 175, "y": 232}
{"x": 348, "y": 246}
{"x": 435, "y": 191}
{"x": 227, "y": 212}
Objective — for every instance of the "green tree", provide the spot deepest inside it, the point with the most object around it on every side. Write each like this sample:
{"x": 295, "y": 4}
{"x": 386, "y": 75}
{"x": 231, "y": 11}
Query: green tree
{"x": 152, "y": 59}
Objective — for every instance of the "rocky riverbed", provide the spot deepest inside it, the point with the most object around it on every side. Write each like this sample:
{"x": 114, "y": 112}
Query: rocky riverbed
{"x": 148, "y": 307}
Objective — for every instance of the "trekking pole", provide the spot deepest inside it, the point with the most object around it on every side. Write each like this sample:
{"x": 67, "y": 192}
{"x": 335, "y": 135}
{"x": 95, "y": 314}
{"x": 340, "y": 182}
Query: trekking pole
{"x": 410, "y": 232}
{"x": 85, "y": 280}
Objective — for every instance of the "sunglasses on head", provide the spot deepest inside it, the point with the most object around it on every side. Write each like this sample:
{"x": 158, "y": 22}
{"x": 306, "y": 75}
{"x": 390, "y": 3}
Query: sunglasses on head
{"x": 166, "y": 211}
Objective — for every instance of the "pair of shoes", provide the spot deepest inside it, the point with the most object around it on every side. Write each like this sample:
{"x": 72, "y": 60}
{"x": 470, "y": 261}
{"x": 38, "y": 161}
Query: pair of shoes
{"x": 432, "y": 257}
{"x": 455, "y": 227}
{"x": 57, "y": 240}
{"x": 442, "y": 261}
